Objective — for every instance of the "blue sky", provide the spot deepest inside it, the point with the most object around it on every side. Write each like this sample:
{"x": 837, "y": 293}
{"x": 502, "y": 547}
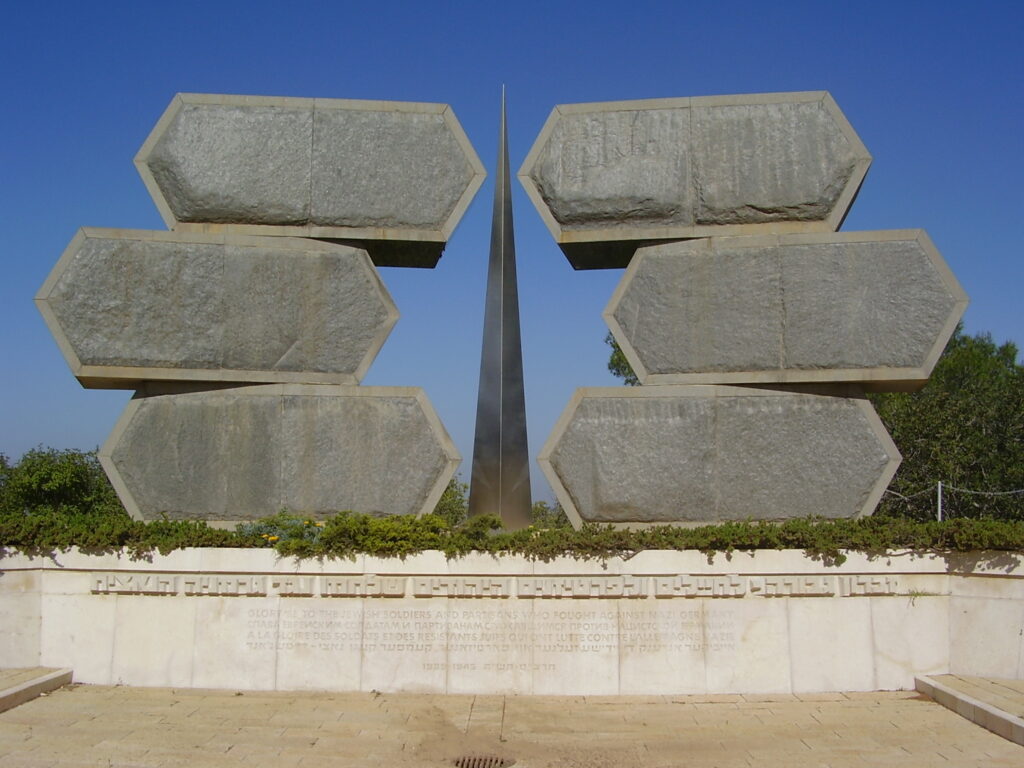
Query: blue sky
{"x": 935, "y": 91}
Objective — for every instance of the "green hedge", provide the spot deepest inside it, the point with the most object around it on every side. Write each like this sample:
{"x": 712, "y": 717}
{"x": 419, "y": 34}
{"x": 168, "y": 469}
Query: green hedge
{"x": 347, "y": 534}
{"x": 52, "y": 500}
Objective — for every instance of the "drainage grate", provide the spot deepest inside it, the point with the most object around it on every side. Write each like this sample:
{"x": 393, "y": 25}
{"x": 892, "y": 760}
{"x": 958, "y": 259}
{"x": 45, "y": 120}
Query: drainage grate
{"x": 483, "y": 761}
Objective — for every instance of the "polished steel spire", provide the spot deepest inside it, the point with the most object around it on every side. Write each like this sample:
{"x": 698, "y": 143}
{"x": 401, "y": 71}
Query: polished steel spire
{"x": 501, "y": 461}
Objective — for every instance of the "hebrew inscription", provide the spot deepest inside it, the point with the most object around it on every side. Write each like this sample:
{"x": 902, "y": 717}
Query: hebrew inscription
{"x": 582, "y": 586}
{"x": 520, "y": 587}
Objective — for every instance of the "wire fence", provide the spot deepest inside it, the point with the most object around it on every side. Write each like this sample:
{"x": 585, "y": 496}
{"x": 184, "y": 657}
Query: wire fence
{"x": 940, "y": 492}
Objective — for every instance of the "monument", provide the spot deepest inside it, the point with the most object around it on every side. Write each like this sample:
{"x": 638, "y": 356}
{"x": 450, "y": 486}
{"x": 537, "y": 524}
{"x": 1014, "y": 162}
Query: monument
{"x": 725, "y": 210}
{"x": 755, "y": 329}
{"x": 247, "y": 328}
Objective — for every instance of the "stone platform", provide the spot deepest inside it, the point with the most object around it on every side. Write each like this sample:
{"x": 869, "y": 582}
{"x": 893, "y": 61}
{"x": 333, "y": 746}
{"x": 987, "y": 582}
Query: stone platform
{"x": 996, "y": 704}
{"x": 658, "y": 623}
{"x": 160, "y": 727}
{"x": 24, "y": 684}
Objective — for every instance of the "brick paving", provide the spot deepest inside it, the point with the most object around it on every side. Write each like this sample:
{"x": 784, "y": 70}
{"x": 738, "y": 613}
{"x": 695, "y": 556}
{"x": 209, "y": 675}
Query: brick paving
{"x": 112, "y": 727}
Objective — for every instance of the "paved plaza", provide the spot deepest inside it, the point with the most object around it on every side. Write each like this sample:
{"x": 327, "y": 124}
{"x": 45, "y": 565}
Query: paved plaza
{"x": 86, "y": 725}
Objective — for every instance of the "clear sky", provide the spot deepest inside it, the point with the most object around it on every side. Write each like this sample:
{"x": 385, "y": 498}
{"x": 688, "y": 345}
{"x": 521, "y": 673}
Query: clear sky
{"x": 935, "y": 91}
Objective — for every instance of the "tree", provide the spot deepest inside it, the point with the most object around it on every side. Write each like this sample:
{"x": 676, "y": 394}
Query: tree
{"x": 965, "y": 428}
{"x": 544, "y": 515}
{"x": 61, "y": 480}
{"x": 453, "y": 505}
{"x": 619, "y": 365}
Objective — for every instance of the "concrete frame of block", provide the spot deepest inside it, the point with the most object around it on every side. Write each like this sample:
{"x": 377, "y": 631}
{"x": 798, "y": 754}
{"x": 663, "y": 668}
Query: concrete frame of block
{"x": 876, "y": 379}
{"x": 379, "y": 238}
{"x": 574, "y": 238}
{"x": 446, "y": 446}
{"x": 843, "y": 392}
{"x": 133, "y": 377}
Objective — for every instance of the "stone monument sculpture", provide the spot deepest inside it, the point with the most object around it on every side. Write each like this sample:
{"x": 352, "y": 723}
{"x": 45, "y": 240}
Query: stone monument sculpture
{"x": 753, "y": 327}
{"x": 246, "y": 329}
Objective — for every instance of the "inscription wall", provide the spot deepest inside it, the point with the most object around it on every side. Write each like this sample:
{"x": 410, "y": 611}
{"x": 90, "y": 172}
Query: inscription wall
{"x": 286, "y": 629}
{"x": 764, "y": 626}
{"x": 505, "y": 633}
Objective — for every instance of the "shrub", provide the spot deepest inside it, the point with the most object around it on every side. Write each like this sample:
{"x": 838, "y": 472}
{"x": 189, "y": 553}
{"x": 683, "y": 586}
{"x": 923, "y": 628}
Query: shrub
{"x": 47, "y": 478}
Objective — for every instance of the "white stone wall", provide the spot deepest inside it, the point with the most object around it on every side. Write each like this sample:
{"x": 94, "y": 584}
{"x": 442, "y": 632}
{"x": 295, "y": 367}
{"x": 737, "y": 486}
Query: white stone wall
{"x": 657, "y": 623}
{"x": 986, "y": 625}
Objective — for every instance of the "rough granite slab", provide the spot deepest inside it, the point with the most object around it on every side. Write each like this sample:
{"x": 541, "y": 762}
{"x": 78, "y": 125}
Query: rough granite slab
{"x": 396, "y": 174}
{"x": 128, "y": 306}
{"x": 239, "y": 454}
{"x": 606, "y": 174}
{"x": 871, "y": 307}
{"x": 639, "y": 456}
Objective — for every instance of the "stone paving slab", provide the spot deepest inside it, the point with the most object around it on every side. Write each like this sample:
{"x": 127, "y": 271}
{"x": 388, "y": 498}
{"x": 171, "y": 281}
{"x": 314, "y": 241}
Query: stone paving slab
{"x": 993, "y": 703}
{"x": 18, "y": 685}
{"x": 143, "y": 728}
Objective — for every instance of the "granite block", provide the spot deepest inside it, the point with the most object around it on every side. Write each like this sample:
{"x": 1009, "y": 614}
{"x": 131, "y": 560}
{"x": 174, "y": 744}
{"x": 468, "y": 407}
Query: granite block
{"x": 396, "y": 176}
{"x": 616, "y": 172}
{"x": 240, "y": 454}
{"x": 132, "y": 306}
{"x": 705, "y": 454}
{"x": 869, "y": 307}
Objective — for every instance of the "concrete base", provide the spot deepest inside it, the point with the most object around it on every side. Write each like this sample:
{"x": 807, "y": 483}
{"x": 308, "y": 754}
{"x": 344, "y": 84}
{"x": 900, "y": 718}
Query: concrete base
{"x": 657, "y": 623}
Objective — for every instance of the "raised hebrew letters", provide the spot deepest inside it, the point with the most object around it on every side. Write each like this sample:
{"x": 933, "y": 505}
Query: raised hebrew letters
{"x": 520, "y": 588}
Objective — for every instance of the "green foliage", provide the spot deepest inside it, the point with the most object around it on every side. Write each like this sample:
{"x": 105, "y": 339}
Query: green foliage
{"x": 965, "y": 428}
{"x": 453, "y": 506}
{"x": 543, "y": 515}
{"x": 47, "y": 530}
{"x": 284, "y": 526}
{"x": 347, "y": 534}
{"x": 618, "y": 365}
{"x": 53, "y": 500}
{"x": 48, "y": 478}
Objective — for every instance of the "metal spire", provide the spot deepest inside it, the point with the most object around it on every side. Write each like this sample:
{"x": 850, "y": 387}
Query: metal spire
{"x": 501, "y": 462}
